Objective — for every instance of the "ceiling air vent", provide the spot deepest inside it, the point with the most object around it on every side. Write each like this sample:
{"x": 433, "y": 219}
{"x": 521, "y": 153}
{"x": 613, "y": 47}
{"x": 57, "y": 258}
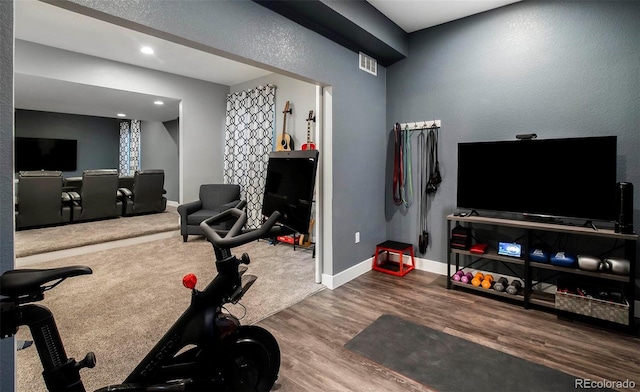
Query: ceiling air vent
{"x": 368, "y": 64}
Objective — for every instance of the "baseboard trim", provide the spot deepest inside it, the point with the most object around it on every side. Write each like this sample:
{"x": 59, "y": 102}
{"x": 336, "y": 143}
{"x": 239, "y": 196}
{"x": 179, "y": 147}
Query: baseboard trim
{"x": 173, "y": 203}
{"x": 433, "y": 266}
{"x": 335, "y": 281}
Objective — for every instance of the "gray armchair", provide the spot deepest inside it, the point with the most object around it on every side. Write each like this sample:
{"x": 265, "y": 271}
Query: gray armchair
{"x": 40, "y": 200}
{"x": 213, "y": 199}
{"x": 146, "y": 195}
{"x": 98, "y": 197}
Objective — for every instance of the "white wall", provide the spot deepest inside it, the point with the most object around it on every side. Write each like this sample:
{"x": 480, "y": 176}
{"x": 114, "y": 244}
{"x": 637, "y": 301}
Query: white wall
{"x": 301, "y": 96}
{"x": 202, "y": 108}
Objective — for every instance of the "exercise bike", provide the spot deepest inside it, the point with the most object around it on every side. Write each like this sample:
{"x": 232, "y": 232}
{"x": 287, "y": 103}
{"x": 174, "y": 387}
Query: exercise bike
{"x": 205, "y": 349}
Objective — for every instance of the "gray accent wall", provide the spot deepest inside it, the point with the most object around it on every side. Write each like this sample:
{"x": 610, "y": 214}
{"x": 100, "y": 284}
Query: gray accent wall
{"x": 159, "y": 146}
{"x": 98, "y": 137}
{"x": 246, "y": 31}
{"x": 557, "y": 69}
{"x": 7, "y": 346}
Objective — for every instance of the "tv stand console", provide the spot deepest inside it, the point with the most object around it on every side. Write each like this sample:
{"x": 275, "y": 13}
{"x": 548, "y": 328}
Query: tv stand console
{"x": 535, "y": 275}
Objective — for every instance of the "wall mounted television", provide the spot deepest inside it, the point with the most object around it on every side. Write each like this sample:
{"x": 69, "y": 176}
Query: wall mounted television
{"x": 565, "y": 178}
{"x": 289, "y": 187}
{"x": 35, "y": 153}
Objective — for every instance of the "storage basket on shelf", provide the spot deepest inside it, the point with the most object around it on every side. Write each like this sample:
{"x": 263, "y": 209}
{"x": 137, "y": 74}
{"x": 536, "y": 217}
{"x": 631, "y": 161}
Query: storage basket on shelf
{"x": 617, "y": 312}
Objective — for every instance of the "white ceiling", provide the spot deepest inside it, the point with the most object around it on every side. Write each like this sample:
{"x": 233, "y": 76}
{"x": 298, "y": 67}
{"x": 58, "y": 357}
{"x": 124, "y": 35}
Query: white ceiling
{"x": 49, "y": 25}
{"x": 413, "y": 15}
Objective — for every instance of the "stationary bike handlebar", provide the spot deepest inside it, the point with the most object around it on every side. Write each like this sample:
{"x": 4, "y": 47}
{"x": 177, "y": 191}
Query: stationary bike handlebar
{"x": 235, "y": 236}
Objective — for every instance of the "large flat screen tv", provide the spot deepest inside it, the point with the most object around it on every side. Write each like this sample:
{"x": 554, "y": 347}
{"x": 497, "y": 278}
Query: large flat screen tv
{"x": 35, "y": 153}
{"x": 289, "y": 188}
{"x": 572, "y": 177}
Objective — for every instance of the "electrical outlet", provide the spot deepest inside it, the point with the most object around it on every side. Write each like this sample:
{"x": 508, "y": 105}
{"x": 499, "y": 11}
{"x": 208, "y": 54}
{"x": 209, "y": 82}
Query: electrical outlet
{"x": 357, "y": 237}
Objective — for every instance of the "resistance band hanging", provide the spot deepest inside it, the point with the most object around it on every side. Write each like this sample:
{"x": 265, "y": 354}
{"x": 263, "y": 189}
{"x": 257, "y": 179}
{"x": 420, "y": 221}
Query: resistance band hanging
{"x": 434, "y": 176}
{"x": 397, "y": 166}
{"x": 407, "y": 196}
{"x": 423, "y": 234}
{"x": 429, "y": 169}
{"x": 402, "y": 175}
{"x": 430, "y": 166}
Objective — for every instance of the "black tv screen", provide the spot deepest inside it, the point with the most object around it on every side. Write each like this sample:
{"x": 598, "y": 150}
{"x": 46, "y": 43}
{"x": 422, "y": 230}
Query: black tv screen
{"x": 289, "y": 188}
{"x": 572, "y": 177}
{"x": 34, "y": 153}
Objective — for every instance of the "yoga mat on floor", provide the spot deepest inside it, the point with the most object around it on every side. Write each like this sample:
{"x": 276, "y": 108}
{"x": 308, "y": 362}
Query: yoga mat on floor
{"x": 451, "y": 364}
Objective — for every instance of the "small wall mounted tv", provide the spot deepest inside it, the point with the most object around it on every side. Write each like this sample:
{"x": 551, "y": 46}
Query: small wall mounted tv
{"x": 565, "y": 178}
{"x": 35, "y": 153}
{"x": 289, "y": 188}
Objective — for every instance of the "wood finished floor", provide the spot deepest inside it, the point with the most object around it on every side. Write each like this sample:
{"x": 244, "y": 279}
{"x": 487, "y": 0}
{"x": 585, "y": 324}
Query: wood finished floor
{"x": 312, "y": 334}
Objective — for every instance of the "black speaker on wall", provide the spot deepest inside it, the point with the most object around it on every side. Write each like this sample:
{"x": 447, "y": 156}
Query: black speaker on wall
{"x": 624, "y": 208}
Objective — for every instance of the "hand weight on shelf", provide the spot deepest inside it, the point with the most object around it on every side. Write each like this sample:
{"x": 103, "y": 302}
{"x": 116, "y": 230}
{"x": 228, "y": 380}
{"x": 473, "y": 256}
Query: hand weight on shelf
{"x": 487, "y": 282}
{"x": 514, "y": 287}
{"x": 501, "y": 284}
{"x": 477, "y": 279}
{"x": 466, "y": 278}
{"x": 459, "y": 274}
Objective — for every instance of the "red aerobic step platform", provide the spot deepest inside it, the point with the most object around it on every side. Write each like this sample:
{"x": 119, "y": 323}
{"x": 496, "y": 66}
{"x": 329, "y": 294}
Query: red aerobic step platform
{"x": 397, "y": 268}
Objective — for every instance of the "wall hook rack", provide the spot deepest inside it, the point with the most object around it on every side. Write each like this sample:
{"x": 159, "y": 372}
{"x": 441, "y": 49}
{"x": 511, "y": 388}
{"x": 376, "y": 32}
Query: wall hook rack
{"x": 421, "y": 125}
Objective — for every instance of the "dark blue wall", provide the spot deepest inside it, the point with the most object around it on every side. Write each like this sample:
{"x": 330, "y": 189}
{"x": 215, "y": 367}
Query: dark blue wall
{"x": 558, "y": 69}
{"x": 98, "y": 137}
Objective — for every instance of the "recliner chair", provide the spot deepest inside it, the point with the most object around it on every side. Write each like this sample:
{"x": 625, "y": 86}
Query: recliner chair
{"x": 147, "y": 193}
{"x": 213, "y": 199}
{"x": 41, "y": 201}
{"x": 98, "y": 197}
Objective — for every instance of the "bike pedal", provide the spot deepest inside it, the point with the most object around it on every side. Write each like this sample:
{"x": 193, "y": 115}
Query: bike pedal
{"x": 242, "y": 269}
{"x": 246, "y": 283}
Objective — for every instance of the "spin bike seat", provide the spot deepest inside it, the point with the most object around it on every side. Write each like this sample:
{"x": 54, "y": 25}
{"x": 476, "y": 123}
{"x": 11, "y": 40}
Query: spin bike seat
{"x": 15, "y": 283}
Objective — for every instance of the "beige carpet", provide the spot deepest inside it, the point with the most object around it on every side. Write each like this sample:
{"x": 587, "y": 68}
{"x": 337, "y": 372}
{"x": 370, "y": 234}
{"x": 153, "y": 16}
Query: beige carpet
{"x": 135, "y": 293}
{"x": 49, "y": 239}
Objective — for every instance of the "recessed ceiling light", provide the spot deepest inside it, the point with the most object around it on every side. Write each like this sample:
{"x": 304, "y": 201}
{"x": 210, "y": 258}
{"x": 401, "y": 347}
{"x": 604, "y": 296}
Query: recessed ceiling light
{"x": 146, "y": 50}
{"x": 121, "y": 115}
{"x": 158, "y": 103}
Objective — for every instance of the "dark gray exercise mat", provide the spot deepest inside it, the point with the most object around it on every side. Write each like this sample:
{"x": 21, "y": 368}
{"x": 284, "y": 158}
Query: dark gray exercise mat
{"x": 451, "y": 364}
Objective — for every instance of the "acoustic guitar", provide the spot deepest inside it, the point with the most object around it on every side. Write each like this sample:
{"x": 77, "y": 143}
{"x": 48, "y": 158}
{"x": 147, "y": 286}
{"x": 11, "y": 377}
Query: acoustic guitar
{"x": 285, "y": 142}
{"x": 306, "y": 240}
{"x": 309, "y": 145}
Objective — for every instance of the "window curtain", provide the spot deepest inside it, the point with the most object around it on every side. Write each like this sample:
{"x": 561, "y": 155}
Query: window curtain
{"x": 249, "y": 130}
{"x": 129, "y": 147}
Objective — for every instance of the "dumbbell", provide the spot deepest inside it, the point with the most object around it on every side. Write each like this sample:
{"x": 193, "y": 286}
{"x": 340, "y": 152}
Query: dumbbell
{"x": 487, "y": 282}
{"x": 501, "y": 284}
{"x": 514, "y": 287}
{"x": 466, "y": 278}
{"x": 459, "y": 274}
{"x": 477, "y": 279}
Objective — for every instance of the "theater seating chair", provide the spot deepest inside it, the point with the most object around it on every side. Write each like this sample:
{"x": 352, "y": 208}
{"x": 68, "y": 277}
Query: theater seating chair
{"x": 213, "y": 199}
{"x": 98, "y": 197}
{"x": 40, "y": 200}
{"x": 147, "y": 193}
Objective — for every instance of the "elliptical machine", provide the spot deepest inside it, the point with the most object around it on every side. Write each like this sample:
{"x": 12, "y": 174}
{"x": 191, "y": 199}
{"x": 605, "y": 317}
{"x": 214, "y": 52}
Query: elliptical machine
{"x": 204, "y": 350}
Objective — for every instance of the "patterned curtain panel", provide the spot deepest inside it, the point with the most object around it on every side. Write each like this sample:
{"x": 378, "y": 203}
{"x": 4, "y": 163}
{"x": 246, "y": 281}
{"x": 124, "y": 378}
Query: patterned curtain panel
{"x": 129, "y": 160}
{"x": 250, "y": 126}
